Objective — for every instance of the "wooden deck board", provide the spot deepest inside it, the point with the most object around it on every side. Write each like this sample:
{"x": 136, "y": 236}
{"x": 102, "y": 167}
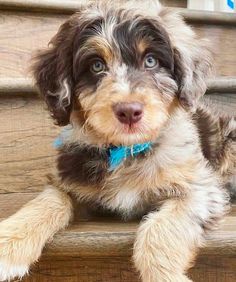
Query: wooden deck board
{"x": 26, "y": 137}
{"x": 34, "y": 30}
{"x": 100, "y": 251}
{"x": 120, "y": 269}
{"x": 96, "y": 236}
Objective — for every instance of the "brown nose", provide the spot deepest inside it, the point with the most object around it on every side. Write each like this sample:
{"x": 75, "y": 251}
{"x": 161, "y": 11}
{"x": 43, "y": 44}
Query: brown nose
{"x": 128, "y": 113}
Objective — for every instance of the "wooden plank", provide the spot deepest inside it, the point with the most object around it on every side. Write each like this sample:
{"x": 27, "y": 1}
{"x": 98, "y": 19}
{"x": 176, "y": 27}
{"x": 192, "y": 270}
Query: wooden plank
{"x": 94, "y": 262}
{"x": 21, "y": 35}
{"x": 77, "y": 269}
{"x": 208, "y": 17}
{"x": 70, "y": 6}
{"x": 12, "y": 202}
{"x": 225, "y": 103}
{"x": 24, "y": 33}
{"x": 214, "y": 269}
{"x": 55, "y": 6}
{"x": 26, "y": 137}
{"x": 220, "y": 85}
{"x": 120, "y": 269}
{"x": 26, "y": 85}
{"x": 174, "y": 3}
{"x": 18, "y": 85}
{"x": 109, "y": 237}
{"x": 223, "y": 42}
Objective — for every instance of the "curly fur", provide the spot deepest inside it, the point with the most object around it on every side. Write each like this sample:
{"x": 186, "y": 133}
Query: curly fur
{"x": 177, "y": 186}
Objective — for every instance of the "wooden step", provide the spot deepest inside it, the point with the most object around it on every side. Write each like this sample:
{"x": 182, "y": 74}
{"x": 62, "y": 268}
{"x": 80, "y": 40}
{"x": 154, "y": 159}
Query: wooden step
{"x": 57, "y": 6}
{"x": 71, "y": 6}
{"x": 103, "y": 248}
{"x": 35, "y": 29}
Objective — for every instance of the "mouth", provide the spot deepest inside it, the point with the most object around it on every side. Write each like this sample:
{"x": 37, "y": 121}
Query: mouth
{"x": 131, "y": 128}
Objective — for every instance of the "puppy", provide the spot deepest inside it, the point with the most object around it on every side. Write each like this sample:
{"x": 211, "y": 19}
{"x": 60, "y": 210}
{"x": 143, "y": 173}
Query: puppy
{"x": 128, "y": 76}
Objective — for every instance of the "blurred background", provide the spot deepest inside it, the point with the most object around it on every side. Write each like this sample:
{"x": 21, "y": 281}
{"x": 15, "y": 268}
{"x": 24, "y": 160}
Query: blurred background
{"x": 213, "y": 5}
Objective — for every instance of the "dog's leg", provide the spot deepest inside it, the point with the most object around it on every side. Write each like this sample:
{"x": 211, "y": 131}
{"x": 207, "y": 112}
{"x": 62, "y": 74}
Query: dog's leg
{"x": 24, "y": 234}
{"x": 167, "y": 240}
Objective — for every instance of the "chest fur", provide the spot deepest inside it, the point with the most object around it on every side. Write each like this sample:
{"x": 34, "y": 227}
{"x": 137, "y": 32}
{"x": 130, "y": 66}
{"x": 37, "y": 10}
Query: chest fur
{"x": 132, "y": 189}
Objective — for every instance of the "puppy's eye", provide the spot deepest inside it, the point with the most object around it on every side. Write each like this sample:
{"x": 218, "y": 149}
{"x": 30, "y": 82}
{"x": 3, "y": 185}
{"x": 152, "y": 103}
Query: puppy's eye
{"x": 98, "y": 66}
{"x": 150, "y": 61}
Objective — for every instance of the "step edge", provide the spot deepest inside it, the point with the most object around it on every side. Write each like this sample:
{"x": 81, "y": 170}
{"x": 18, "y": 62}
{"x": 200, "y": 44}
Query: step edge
{"x": 106, "y": 244}
{"x": 55, "y": 6}
{"x": 26, "y": 85}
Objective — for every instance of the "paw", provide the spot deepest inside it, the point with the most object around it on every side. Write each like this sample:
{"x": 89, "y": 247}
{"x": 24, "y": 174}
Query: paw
{"x": 8, "y": 272}
{"x": 18, "y": 250}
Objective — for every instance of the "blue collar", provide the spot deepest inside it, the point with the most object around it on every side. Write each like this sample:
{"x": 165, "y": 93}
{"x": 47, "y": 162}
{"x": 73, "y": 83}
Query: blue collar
{"x": 116, "y": 155}
{"x": 119, "y": 154}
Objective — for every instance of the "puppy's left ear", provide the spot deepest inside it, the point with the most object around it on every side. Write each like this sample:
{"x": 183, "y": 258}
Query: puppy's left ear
{"x": 192, "y": 56}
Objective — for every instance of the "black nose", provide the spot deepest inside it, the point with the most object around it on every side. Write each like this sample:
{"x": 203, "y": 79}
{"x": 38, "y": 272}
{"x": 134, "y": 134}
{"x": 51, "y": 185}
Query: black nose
{"x": 128, "y": 113}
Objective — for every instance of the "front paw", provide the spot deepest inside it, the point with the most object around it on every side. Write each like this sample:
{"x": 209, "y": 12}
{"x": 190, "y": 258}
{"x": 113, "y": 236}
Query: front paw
{"x": 11, "y": 271}
{"x": 20, "y": 247}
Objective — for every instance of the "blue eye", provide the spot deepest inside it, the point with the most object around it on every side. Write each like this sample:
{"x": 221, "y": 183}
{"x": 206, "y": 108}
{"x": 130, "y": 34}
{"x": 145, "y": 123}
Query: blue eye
{"x": 98, "y": 66}
{"x": 150, "y": 61}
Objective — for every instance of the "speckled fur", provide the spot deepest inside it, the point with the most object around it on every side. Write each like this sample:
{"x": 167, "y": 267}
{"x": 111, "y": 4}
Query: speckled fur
{"x": 177, "y": 186}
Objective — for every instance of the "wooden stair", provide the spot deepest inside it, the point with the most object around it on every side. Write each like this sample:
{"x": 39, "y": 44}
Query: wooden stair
{"x": 92, "y": 249}
{"x": 99, "y": 249}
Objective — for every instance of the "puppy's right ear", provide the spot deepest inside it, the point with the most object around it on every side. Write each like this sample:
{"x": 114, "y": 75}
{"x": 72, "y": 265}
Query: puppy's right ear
{"x": 52, "y": 71}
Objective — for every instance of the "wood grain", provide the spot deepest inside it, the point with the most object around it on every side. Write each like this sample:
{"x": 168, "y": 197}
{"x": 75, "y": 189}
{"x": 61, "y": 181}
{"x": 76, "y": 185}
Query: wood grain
{"x": 55, "y": 6}
{"x": 106, "y": 236}
{"x": 18, "y": 85}
{"x": 223, "y": 42}
{"x": 214, "y": 269}
{"x": 94, "y": 259}
{"x": 21, "y": 34}
{"x": 68, "y": 7}
{"x": 33, "y": 32}
{"x": 120, "y": 269}
{"x": 174, "y": 3}
{"x": 114, "y": 269}
{"x": 26, "y": 137}
{"x": 221, "y": 85}
{"x": 208, "y": 17}
{"x": 225, "y": 103}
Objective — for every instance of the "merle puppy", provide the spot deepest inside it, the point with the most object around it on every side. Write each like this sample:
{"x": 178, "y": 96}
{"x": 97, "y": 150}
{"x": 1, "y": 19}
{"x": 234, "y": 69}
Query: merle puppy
{"x": 127, "y": 76}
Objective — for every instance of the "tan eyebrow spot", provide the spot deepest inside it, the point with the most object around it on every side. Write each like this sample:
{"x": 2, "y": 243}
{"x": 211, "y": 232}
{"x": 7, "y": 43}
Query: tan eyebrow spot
{"x": 102, "y": 46}
{"x": 142, "y": 46}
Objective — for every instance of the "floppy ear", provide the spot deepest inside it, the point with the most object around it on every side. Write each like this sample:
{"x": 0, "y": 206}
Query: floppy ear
{"x": 192, "y": 56}
{"x": 192, "y": 68}
{"x": 52, "y": 71}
